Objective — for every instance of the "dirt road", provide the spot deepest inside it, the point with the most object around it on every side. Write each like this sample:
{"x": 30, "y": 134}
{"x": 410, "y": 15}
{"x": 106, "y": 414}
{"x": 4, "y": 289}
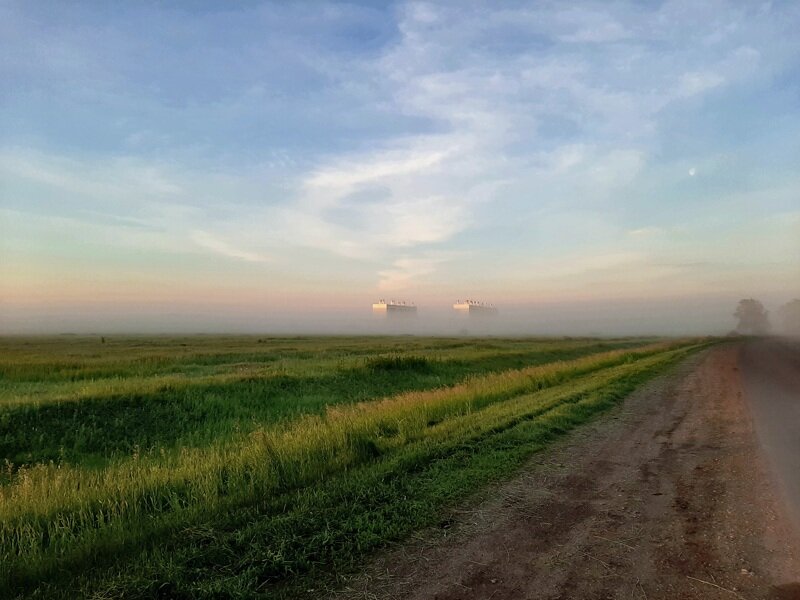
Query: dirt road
{"x": 667, "y": 497}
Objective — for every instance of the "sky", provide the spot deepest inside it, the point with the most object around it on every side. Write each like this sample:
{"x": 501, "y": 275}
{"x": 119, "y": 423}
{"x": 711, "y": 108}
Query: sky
{"x": 589, "y": 167}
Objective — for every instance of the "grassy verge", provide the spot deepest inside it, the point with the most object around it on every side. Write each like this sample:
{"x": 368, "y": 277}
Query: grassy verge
{"x": 302, "y": 501}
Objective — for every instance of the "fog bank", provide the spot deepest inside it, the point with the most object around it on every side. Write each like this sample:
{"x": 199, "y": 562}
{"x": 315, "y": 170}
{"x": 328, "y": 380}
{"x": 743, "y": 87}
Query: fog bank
{"x": 676, "y": 316}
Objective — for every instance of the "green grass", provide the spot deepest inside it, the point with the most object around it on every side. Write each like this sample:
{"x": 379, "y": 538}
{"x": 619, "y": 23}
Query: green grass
{"x": 218, "y": 391}
{"x": 297, "y": 496}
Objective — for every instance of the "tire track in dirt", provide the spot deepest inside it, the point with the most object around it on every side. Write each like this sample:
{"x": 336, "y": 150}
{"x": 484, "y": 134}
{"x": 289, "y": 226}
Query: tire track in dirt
{"x": 664, "y": 497}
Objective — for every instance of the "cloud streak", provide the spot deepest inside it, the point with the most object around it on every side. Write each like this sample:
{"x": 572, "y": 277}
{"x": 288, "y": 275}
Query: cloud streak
{"x": 213, "y": 243}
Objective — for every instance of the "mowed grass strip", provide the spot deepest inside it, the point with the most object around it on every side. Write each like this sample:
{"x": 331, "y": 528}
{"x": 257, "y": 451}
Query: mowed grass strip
{"x": 294, "y": 543}
{"x": 53, "y": 515}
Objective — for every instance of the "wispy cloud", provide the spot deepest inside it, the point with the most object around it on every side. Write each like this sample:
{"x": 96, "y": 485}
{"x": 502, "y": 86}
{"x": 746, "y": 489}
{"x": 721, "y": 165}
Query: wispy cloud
{"x": 406, "y": 272}
{"x": 388, "y": 165}
{"x": 645, "y": 232}
{"x": 213, "y": 243}
{"x": 107, "y": 179}
{"x": 589, "y": 26}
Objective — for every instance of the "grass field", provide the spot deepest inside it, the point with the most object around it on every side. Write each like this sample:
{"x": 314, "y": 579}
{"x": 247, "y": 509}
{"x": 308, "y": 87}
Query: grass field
{"x": 237, "y": 467}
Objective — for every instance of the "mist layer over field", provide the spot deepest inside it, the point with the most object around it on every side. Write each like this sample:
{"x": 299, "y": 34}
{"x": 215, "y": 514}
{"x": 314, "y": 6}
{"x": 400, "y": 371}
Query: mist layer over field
{"x": 681, "y": 316}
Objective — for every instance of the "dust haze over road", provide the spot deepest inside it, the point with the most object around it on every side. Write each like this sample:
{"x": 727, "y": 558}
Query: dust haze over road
{"x": 771, "y": 374}
{"x": 672, "y": 496}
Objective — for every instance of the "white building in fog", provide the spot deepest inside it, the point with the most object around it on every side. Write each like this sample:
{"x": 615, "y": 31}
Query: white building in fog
{"x": 394, "y": 308}
{"x": 474, "y": 308}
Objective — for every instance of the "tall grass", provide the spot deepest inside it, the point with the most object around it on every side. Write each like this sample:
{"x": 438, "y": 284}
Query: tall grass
{"x": 56, "y": 511}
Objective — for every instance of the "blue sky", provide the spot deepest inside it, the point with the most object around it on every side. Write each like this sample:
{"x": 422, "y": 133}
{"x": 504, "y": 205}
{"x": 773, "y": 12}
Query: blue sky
{"x": 205, "y": 158}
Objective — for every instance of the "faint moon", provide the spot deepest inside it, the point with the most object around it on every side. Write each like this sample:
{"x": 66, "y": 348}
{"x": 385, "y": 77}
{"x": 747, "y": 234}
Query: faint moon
{"x": 692, "y": 171}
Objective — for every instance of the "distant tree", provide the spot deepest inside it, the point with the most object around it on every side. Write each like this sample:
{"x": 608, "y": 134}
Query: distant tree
{"x": 753, "y": 319}
{"x": 790, "y": 317}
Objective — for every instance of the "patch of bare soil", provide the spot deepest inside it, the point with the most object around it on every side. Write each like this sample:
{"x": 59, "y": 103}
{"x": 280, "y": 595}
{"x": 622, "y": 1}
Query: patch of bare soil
{"x": 665, "y": 497}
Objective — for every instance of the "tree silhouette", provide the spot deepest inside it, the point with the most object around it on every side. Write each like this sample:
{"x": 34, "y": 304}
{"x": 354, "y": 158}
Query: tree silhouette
{"x": 790, "y": 317}
{"x": 753, "y": 319}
